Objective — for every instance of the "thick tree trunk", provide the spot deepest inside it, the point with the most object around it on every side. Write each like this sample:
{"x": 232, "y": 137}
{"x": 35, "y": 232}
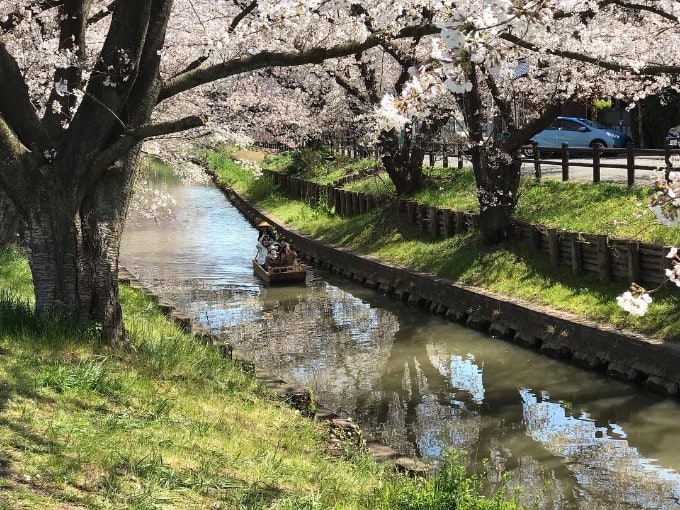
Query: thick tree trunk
{"x": 403, "y": 163}
{"x": 73, "y": 245}
{"x": 497, "y": 192}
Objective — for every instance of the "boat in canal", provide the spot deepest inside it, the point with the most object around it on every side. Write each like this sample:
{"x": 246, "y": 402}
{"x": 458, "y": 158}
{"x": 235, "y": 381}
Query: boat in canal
{"x": 280, "y": 274}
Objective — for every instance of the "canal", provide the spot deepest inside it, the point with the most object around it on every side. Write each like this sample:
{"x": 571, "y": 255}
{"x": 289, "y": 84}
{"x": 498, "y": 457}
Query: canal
{"x": 570, "y": 438}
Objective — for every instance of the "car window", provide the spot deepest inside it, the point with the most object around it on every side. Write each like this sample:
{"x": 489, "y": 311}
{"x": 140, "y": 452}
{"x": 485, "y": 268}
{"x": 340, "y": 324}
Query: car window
{"x": 567, "y": 125}
{"x": 593, "y": 124}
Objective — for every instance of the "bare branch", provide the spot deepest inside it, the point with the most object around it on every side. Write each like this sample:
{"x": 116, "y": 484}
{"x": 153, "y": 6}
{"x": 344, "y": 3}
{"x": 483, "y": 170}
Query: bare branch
{"x": 102, "y": 13}
{"x": 648, "y": 70}
{"x": 239, "y": 17}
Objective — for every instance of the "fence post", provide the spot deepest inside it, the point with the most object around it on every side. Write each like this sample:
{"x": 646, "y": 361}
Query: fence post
{"x": 445, "y": 156}
{"x": 554, "y": 247}
{"x": 603, "y": 262}
{"x": 630, "y": 163}
{"x": 565, "y": 162}
{"x": 597, "y": 149}
{"x": 667, "y": 159}
{"x": 537, "y": 160}
{"x": 576, "y": 256}
{"x": 430, "y": 155}
{"x": 459, "y": 153}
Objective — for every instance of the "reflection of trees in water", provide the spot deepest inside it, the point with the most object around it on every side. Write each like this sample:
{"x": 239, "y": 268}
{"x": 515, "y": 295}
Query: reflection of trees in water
{"x": 611, "y": 474}
{"x": 320, "y": 338}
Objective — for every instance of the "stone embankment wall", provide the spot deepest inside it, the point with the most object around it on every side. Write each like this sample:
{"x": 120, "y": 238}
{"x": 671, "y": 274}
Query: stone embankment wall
{"x": 618, "y": 354}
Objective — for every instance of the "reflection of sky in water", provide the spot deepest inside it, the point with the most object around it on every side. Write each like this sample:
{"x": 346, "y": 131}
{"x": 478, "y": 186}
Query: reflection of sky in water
{"x": 414, "y": 380}
{"x": 601, "y": 458}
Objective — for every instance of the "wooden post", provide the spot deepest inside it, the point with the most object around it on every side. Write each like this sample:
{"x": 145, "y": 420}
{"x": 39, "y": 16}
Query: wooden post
{"x": 459, "y": 153}
{"x": 633, "y": 261}
{"x": 667, "y": 159}
{"x": 576, "y": 256}
{"x": 411, "y": 211}
{"x": 554, "y": 247}
{"x": 431, "y": 157}
{"x": 460, "y": 222}
{"x": 537, "y": 160}
{"x": 603, "y": 259}
{"x": 422, "y": 214}
{"x": 565, "y": 162}
{"x": 446, "y": 218}
{"x": 445, "y": 156}
{"x": 434, "y": 221}
{"x": 597, "y": 149}
{"x": 630, "y": 163}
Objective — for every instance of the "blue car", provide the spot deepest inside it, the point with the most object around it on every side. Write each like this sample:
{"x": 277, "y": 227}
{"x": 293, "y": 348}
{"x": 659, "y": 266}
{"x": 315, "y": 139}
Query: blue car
{"x": 578, "y": 132}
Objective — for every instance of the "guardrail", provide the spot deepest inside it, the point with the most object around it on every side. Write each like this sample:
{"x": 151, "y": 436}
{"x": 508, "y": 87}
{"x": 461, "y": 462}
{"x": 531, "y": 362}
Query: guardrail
{"x": 565, "y": 154}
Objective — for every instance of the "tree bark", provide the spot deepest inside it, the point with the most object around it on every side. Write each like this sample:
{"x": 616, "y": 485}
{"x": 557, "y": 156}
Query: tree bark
{"x": 497, "y": 192}
{"x": 10, "y": 222}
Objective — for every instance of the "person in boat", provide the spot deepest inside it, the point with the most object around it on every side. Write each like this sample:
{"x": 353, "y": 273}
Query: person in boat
{"x": 263, "y": 245}
{"x": 287, "y": 256}
{"x": 265, "y": 229}
{"x": 273, "y": 257}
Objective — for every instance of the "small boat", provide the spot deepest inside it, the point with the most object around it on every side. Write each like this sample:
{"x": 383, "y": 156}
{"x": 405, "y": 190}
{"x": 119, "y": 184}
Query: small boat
{"x": 280, "y": 274}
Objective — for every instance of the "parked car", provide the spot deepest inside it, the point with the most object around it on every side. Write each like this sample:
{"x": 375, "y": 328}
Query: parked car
{"x": 577, "y": 132}
{"x": 673, "y": 136}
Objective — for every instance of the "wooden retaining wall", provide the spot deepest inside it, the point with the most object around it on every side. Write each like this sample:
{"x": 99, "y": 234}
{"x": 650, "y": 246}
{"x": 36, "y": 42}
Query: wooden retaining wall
{"x": 608, "y": 257}
{"x": 345, "y": 203}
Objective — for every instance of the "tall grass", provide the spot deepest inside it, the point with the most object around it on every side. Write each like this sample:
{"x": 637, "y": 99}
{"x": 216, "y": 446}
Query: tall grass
{"x": 169, "y": 424}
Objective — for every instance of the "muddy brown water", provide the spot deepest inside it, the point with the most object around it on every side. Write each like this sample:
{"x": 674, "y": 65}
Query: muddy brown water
{"x": 570, "y": 438}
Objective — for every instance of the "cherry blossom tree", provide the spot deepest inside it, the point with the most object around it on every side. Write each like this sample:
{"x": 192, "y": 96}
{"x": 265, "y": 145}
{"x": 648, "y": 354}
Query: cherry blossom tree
{"x": 541, "y": 54}
{"x": 84, "y": 83}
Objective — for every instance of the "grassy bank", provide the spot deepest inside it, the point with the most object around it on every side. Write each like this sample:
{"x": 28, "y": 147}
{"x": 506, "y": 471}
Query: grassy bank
{"x": 168, "y": 424}
{"x": 510, "y": 269}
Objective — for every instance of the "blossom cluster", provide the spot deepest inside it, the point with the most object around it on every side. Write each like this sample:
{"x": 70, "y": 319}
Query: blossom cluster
{"x": 665, "y": 202}
{"x": 637, "y": 299}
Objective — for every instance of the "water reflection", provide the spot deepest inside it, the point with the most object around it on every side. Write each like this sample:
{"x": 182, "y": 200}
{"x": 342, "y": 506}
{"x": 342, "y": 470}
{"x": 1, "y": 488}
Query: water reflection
{"x": 418, "y": 383}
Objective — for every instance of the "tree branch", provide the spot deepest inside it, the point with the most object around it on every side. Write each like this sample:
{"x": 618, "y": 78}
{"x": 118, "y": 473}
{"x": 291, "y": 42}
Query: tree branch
{"x": 246, "y": 10}
{"x": 73, "y": 25}
{"x": 102, "y": 13}
{"x": 117, "y": 149}
{"x": 648, "y": 70}
{"x": 15, "y": 104}
{"x": 247, "y": 63}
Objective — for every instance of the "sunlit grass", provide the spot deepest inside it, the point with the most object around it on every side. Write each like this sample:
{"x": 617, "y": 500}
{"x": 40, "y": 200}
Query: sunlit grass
{"x": 510, "y": 269}
{"x": 168, "y": 424}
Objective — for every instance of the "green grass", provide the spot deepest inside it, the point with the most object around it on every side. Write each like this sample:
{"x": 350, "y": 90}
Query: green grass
{"x": 509, "y": 269}
{"x": 168, "y": 424}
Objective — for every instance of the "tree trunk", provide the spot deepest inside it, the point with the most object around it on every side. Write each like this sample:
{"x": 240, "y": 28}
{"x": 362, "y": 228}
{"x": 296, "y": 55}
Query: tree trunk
{"x": 73, "y": 246}
{"x": 10, "y": 222}
{"x": 403, "y": 163}
{"x": 497, "y": 192}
